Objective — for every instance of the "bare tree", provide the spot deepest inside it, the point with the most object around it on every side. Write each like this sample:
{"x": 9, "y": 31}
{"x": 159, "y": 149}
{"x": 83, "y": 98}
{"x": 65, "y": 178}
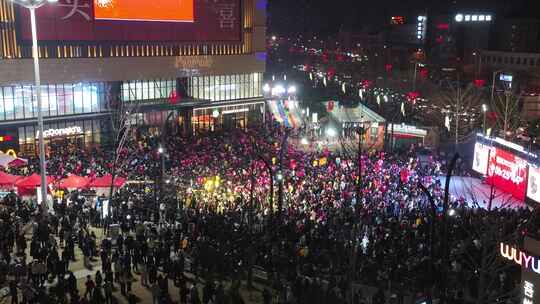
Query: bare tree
{"x": 459, "y": 109}
{"x": 506, "y": 107}
{"x": 121, "y": 116}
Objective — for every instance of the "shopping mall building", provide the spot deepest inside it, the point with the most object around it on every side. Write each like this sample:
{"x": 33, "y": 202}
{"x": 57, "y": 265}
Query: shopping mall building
{"x": 201, "y": 71}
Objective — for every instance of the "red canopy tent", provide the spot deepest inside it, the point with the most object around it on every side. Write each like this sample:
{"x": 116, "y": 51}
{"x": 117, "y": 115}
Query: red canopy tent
{"x": 74, "y": 181}
{"x": 106, "y": 181}
{"x": 8, "y": 180}
{"x": 32, "y": 181}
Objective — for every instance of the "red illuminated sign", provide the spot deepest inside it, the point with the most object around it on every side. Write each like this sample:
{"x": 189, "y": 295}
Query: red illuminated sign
{"x": 76, "y": 20}
{"x": 443, "y": 26}
{"x": 6, "y": 138}
{"x": 397, "y": 20}
{"x": 507, "y": 172}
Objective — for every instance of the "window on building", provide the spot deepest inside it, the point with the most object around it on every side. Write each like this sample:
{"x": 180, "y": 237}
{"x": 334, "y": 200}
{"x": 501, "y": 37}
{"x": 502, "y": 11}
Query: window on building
{"x": 147, "y": 90}
{"x": 225, "y": 87}
{"x": 19, "y": 102}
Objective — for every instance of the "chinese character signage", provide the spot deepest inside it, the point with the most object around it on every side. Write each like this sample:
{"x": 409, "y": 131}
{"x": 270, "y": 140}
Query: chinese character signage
{"x": 135, "y": 20}
{"x": 528, "y": 292}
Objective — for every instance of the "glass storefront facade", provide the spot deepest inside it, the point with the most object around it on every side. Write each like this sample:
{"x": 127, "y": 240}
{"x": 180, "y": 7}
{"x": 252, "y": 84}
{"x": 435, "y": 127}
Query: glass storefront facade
{"x": 90, "y": 103}
{"x": 227, "y": 117}
{"x": 226, "y": 87}
{"x": 91, "y": 133}
{"x": 138, "y": 90}
{"x": 17, "y": 102}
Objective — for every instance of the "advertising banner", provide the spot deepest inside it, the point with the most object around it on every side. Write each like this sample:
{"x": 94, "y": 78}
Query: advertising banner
{"x": 481, "y": 158}
{"x": 134, "y": 20}
{"x": 507, "y": 172}
{"x": 143, "y": 10}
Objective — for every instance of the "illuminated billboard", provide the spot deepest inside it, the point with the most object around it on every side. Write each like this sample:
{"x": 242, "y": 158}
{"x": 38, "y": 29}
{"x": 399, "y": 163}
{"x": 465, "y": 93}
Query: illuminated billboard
{"x": 481, "y": 158}
{"x": 533, "y": 185}
{"x": 143, "y": 10}
{"x": 507, "y": 172}
{"x": 134, "y": 20}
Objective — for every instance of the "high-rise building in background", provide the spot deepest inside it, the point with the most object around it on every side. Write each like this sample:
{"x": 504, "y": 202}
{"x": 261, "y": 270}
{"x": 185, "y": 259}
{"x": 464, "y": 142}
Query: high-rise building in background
{"x": 198, "y": 67}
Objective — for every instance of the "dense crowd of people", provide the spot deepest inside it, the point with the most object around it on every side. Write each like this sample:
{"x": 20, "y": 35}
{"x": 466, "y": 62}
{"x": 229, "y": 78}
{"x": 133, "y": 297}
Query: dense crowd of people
{"x": 213, "y": 207}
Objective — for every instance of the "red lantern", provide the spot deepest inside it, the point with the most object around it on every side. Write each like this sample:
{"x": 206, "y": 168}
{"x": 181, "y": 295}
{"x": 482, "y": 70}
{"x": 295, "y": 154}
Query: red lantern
{"x": 479, "y": 83}
{"x": 331, "y": 72}
{"x": 173, "y": 97}
{"x": 330, "y": 106}
{"x": 366, "y": 84}
{"x": 424, "y": 73}
{"x": 388, "y": 67}
{"x": 412, "y": 97}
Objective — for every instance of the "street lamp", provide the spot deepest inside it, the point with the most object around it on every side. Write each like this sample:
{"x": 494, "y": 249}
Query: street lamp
{"x": 331, "y": 132}
{"x": 32, "y": 5}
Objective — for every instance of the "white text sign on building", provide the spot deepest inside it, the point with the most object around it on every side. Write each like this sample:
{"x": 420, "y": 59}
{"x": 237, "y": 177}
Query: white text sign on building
{"x": 50, "y": 133}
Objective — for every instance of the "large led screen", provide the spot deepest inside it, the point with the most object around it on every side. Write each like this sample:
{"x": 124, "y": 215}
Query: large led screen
{"x": 481, "y": 158}
{"x": 143, "y": 10}
{"x": 77, "y": 20}
{"x": 533, "y": 186}
{"x": 507, "y": 172}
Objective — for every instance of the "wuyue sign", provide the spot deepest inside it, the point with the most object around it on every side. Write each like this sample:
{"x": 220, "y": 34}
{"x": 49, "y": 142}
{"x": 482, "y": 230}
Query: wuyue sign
{"x": 519, "y": 257}
{"x": 529, "y": 261}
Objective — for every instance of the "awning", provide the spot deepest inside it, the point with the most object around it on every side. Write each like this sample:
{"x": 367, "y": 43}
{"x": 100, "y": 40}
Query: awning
{"x": 106, "y": 181}
{"x": 74, "y": 182}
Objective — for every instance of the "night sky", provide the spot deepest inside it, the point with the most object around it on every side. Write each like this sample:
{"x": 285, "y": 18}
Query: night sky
{"x": 328, "y": 16}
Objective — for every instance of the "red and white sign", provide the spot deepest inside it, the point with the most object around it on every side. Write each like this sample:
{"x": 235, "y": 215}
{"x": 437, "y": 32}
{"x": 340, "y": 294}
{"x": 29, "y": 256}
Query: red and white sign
{"x": 481, "y": 158}
{"x": 533, "y": 185}
{"x": 507, "y": 172}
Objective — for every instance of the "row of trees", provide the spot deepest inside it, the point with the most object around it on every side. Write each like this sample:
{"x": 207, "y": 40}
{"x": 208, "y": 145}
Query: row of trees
{"x": 463, "y": 110}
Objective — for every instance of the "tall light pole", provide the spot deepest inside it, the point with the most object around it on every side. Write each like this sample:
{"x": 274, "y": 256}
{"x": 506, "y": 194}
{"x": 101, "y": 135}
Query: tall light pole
{"x": 32, "y": 5}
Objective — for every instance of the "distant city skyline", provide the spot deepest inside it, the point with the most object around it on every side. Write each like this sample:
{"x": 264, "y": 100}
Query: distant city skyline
{"x": 318, "y": 17}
